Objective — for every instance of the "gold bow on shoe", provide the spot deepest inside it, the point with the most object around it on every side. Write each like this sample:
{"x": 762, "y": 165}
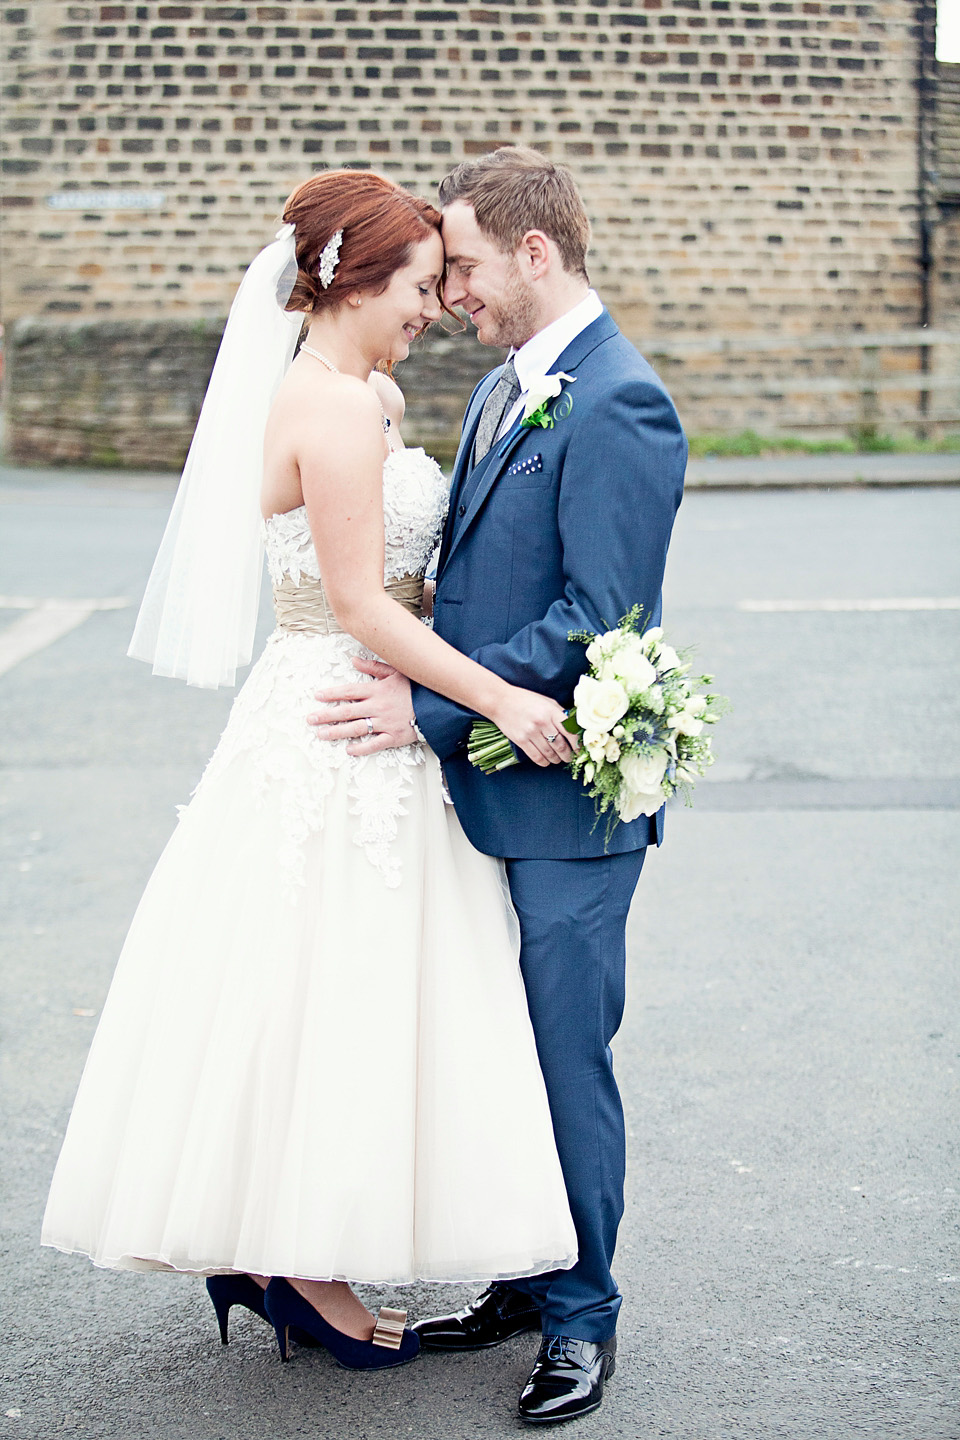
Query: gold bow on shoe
{"x": 389, "y": 1328}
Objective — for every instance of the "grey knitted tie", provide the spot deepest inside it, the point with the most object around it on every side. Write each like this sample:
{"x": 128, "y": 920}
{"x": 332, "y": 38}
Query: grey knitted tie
{"x": 497, "y": 404}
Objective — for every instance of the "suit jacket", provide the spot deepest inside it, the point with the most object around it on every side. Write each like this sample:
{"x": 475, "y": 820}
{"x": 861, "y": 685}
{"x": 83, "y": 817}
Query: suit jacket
{"x": 563, "y": 529}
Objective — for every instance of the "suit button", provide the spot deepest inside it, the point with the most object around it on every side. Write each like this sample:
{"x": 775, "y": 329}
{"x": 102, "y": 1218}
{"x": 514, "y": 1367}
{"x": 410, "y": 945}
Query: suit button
{"x": 462, "y": 510}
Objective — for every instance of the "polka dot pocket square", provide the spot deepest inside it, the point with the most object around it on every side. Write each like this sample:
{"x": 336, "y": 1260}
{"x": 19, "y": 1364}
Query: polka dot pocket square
{"x": 529, "y": 465}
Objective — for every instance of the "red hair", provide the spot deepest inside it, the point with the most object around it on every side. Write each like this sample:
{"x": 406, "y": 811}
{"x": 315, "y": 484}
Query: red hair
{"x": 381, "y": 224}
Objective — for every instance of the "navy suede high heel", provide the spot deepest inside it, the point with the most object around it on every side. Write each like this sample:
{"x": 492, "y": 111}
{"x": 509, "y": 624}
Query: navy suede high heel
{"x": 228, "y": 1290}
{"x": 289, "y": 1313}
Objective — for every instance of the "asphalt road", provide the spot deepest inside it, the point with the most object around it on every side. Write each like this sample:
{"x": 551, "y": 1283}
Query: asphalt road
{"x": 789, "y": 1058}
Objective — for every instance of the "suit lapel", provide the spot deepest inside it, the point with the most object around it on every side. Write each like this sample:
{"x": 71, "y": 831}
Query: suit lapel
{"x": 494, "y": 464}
{"x": 601, "y": 329}
{"x": 461, "y": 466}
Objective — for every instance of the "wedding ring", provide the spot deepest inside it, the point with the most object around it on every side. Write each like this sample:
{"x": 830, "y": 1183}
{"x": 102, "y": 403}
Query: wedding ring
{"x": 369, "y": 724}
{"x": 551, "y": 738}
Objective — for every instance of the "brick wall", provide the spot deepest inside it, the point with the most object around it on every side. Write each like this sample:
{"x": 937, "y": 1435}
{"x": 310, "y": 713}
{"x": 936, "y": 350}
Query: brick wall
{"x": 946, "y": 270}
{"x": 749, "y": 165}
{"x": 948, "y": 131}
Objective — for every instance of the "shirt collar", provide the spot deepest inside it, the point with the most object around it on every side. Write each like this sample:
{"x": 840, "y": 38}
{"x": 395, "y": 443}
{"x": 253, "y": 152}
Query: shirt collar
{"x": 539, "y": 353}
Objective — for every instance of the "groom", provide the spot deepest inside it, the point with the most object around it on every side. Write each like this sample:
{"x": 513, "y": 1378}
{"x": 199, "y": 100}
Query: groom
{"x": 550, "y": 530}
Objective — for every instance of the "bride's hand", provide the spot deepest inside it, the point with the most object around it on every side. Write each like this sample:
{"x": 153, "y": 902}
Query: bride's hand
{"x": 534, "y": 723}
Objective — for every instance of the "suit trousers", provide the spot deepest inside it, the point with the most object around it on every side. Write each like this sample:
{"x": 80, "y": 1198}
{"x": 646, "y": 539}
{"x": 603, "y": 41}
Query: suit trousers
{"x": 573, "y": 916}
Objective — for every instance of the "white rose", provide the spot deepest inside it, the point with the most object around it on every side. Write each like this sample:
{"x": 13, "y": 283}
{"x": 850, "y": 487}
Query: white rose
{"x": 630, "y": 806}
{"x": 611, "y": 750}
{"x": 632, "y": 668}
{"x": 602, "y": 646}
{"x": 599, "y": 703}
{"x": 643, "y": 773}
{"x": 685, "y": 723}
{"x": 651, "y": 636}
{"x": 595, "y": 743}
{"x": 667, "y": 659}
{"x": 653, "y": 699}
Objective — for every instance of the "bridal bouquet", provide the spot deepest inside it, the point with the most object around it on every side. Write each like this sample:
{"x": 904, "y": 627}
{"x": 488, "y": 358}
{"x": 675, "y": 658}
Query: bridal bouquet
{"x": 640, "y": 716}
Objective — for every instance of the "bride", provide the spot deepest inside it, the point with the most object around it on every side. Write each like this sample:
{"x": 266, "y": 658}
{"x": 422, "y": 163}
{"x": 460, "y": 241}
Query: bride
{"x": 283, "y": 1093}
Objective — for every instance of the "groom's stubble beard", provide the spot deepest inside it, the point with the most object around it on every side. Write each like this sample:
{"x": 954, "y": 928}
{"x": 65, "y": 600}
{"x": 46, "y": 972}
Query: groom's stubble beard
{"x": 513, "y": 313}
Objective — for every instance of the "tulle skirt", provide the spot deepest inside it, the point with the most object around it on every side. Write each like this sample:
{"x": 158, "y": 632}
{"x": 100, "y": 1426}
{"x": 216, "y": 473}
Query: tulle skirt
{"x": 315, "y": 1058}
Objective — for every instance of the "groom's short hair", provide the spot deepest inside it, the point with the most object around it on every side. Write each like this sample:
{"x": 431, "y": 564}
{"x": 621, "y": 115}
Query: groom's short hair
{"x": 515, "y": 189}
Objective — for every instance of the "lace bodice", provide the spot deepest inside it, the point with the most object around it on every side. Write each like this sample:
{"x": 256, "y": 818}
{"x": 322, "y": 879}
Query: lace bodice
{"x": 268, "y": 729}
{"x": 414, "y": 507}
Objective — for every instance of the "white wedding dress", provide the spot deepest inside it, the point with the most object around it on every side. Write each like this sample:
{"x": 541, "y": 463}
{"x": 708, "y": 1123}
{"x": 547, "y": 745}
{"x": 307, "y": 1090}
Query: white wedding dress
{"x": 315, "y": 1058}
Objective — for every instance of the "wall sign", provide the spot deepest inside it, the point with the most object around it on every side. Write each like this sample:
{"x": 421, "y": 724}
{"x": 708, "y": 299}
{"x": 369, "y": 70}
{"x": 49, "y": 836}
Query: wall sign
{"x": 107, "y": 200}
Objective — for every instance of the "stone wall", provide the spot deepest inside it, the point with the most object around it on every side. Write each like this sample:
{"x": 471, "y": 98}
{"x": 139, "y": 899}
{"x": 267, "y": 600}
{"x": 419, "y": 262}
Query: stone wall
{"x": 95, "y": 392}
{"x": 128, "y": 393}
{"x": 946, "y": 268}
{"x": 750, "y": 166}
{"x": 948, "y": 131}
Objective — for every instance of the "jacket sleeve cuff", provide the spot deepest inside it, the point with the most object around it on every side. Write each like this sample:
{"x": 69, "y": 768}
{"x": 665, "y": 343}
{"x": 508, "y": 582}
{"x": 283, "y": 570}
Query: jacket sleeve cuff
{"x": 444, "y": 725}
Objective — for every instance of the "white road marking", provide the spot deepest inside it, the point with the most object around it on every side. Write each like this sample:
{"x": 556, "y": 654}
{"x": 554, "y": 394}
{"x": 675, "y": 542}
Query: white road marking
{"x": 47, "y": 620}
{"x": 33, "y": 602}
{"x": 921, "y": 602}
{"x": 44, "y": 622}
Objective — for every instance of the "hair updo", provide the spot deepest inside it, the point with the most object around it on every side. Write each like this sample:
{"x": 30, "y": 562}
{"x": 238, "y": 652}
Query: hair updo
{"x": 381, "y": 224}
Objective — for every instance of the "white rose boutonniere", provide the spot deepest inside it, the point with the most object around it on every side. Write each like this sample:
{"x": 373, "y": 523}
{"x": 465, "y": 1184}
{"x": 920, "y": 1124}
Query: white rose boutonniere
{"x": 540, "y": 391}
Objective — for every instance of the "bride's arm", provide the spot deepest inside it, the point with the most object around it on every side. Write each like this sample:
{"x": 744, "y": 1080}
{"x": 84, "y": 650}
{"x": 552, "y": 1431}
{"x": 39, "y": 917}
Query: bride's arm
{"x": 340, "y": 455}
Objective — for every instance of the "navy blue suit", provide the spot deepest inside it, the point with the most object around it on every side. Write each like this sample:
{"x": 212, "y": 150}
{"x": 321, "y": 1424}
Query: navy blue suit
{"x": 557, "y": 530}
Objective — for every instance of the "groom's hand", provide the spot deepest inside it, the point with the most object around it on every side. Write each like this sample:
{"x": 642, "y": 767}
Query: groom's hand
{"x": 375, "y": 717}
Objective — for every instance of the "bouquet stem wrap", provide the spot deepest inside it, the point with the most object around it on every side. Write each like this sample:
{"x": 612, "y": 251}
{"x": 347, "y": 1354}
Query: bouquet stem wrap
{"x": 489, "y": 749}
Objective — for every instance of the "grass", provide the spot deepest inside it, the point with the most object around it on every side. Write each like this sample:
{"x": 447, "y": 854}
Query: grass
{"x": 748, "y": 442}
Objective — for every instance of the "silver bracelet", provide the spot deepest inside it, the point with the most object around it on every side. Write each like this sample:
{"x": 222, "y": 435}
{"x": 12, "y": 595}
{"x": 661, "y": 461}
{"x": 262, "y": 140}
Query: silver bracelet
{"x": 417, "y": 731}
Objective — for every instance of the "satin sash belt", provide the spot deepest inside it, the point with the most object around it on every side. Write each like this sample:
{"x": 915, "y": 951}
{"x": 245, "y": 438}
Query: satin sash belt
{"x": 304, "y": 606}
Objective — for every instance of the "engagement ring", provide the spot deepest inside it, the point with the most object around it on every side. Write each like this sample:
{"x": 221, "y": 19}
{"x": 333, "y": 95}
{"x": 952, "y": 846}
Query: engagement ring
{"x": 369, "y": 724}
{"x": 551, "y": 738}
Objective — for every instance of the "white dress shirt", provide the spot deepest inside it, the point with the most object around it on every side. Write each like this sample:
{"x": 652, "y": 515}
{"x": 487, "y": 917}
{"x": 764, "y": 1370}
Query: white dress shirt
{"x": 540, "y": 354}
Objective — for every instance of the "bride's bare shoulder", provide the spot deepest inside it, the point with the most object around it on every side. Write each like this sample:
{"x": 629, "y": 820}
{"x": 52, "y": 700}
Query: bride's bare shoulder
{"x": 332, "y": 402}
{"x": 389, "y": 394}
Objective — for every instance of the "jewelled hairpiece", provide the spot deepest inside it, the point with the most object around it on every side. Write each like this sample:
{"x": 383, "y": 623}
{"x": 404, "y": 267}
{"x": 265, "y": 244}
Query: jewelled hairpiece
{"x": 329, "y": 255}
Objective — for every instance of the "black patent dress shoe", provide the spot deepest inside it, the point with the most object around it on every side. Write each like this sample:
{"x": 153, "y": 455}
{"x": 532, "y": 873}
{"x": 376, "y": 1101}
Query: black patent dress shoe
{"x": 495, "y": 1315}
{"x": 567, "y": 1379}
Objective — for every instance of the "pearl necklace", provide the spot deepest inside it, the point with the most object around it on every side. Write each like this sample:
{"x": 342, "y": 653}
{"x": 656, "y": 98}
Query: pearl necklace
{"x": 309, "y": 350}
